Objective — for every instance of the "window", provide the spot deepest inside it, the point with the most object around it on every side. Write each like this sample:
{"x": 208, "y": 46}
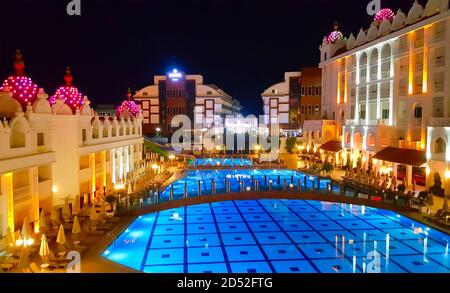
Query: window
{"x": 316, "y": 109}
{"x": 180, "y": 94}
{"x": 40, "y": 139}
{"x": 385, "y": 114}
{"x": 303, "y": 110}
{"x": 418, "y": 112}
{"x": 362, "y": 114}
{"x": 83, "y": 134}
{"x": 310, "y": 91}
{"x": 209, "y": 92}
{"x": 317, "y": 91}
{"x": 309, "y": 109}
{"x": 303, "y": 90}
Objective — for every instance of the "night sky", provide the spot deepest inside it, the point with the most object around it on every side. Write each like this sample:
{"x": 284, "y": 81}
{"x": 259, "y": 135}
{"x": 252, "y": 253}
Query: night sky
{"x": 242, "y": 46}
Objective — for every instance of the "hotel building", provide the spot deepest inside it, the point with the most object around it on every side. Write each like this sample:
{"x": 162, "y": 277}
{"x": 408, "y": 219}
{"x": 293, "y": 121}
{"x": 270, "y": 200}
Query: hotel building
{"x": 388, "y": 91}
{"x": 293, "y": 101}
{"x": 54, "y": 147}
{"x": 179, "y": 94}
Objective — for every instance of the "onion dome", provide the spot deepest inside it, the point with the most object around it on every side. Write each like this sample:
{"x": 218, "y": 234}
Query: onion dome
{"x": 22, "y": 87}
{"x": 383, "y": 14}
{"x": 128, "y": 108}
{"x": 335, "y": 35}
{"x": 68, "y": 93}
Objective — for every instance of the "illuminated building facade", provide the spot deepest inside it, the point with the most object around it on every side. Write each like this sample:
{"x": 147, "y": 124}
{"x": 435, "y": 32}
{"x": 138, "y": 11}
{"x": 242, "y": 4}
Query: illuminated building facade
{"x": 53, "y": 148}
{"x": 388, "y": 87}
{"x": 179, "y": 94}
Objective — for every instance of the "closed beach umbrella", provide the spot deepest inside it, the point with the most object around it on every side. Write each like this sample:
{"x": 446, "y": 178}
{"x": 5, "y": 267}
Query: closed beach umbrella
{"x": 76, "y": 226}
{"x": 25, "y": 232}
{"x": 9, "y": 237}
{"x": 103, "y": 209}
{"x": 61, "y": 238}
{"x": 76, "y": 205}
{"x": 44, "y": 249}
{"x": 85, "y": 199}
{"x": 42, "y": 221}
{"x": 66, "y": 210}
{"x": 93, "y": 215}
{"x": 24, "y": 261}
{"x": 55, "y": 217}
{"x": 445, "y": 207}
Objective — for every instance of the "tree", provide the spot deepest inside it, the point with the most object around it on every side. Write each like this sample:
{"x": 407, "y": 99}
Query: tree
{"x": 437, "y": 189}
{"x": 291, "y": 143}
{"x": 327, "y": 168}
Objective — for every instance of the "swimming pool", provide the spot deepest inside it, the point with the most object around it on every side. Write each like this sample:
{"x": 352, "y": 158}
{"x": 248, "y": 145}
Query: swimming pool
{"x": 279, "y": 236}
{"x": 276, "y": 178}
{"x": 230, "y": 162}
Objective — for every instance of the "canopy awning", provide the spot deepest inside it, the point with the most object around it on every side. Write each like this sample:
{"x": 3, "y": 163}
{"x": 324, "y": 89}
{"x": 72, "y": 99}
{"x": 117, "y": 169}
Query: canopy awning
{"x": 402, "y": 156}
{"x": 333, "y": 146}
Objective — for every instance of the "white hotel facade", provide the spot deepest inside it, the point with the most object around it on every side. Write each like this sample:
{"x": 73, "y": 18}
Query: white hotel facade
{"x": 389, "y": 87}
{"x": 48, "y": 152}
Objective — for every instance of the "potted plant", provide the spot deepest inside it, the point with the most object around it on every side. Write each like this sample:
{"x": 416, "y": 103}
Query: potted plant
{"x": 327, "y": 168}
{"x": 112, "y": 201}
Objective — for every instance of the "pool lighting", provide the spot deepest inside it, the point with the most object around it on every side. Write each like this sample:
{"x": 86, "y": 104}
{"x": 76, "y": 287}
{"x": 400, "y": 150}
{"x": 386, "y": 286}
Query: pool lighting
{"x": 107, "y": 252}
{"x": 248, "y": 188}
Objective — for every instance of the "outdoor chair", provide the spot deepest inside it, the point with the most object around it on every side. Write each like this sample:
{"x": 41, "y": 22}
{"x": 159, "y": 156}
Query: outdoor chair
{"x": 436, "y": 217}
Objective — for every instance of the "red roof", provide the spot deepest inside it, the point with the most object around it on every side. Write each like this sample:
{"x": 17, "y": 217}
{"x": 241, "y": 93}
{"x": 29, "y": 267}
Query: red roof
{"x": 402, "y": 156}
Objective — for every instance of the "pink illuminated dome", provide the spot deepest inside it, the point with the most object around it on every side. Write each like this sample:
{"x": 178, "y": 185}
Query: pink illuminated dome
{"x": 69, "y": 93}
{"x": 23, "y": 88}
{"x": 383, "y": 14}
{"x": 335, "y": 35}
{"x": 128, "y": 107}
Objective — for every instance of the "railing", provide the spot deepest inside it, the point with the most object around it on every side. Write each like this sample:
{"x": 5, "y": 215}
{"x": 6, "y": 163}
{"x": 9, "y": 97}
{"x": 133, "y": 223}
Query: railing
{"x": 190, "y": 189}
{"x": 439, "y": 121}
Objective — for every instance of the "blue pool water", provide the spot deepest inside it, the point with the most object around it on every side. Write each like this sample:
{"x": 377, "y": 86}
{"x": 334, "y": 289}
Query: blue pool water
{"x": 229, "y": 162}
{"x": 278, "y": 177}
{"x": 279, "y": 236}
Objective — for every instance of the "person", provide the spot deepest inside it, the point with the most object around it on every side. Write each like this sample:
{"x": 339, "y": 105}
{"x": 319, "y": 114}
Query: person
{"x": 141, "y": 201}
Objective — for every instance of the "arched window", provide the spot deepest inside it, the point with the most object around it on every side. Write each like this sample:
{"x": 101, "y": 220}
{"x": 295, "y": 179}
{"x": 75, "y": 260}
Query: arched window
{"x": 386, "y": 61}
{"x": 374, "y": 65}
{"x": 18, "y": 132}
{"x": 440, "y": 146}
{"x": 363, "y": 67}
{"x": 371, "y": 140}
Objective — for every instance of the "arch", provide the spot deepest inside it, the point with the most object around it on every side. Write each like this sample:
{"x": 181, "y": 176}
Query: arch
{"x": 363, "y": 67}
{"x": 114, "y": 128}
{"x": 19, "y": 129}
{"x": 386, "y": 53}
{"x": 106, "y": 126}
{"x": 358, "y": 139}
{"x": 374, "y": 64}
{"x": 371, "y": 140}
{"x": 347, "y": 137}
{"x": 95, "y": 129}
{"x": 440, "y": 146}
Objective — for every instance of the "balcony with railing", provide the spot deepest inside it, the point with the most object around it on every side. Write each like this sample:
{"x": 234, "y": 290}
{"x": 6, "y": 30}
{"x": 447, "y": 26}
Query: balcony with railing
{"x": 439, "y": 122}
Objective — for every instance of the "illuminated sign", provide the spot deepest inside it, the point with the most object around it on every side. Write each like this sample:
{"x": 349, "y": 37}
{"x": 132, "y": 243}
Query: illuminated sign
{"x": 175, "y": 75}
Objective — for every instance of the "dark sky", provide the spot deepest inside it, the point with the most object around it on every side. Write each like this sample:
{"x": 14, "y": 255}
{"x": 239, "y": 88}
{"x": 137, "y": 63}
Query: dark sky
{"x": 243, "y": 46}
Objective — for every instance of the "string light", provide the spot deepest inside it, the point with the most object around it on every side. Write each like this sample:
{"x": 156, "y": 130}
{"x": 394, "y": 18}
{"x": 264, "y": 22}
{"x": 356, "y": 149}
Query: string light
{"x": 22, "y": 87}
{"x": 129, "y": 106}
{"x": 69, "y": 93}
{"x": 383, "y": 14}
{"x": 334, "y": 36}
